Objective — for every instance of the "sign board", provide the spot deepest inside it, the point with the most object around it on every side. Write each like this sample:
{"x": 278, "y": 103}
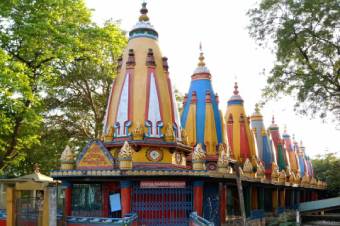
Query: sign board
{"x": 115, "y": 202}
{"x": 162, "y": 184}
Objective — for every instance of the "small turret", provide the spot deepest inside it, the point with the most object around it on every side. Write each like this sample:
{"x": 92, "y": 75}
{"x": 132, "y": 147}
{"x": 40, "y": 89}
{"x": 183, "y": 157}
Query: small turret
{"x": 264, "y": 148}
{"x": 200, "y": 116}
{"x": 67, "y": 159}
{"x": 279, "y": 150}
{"x": 240, "y": 137}
{"x": 198, "y": 158}
{"x": 291, "y": 153}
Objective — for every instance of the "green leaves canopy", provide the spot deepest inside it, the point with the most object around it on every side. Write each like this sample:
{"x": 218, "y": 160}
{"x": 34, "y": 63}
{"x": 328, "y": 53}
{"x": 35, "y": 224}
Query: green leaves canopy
{"x": 305, "y": 37}
{"x": 326, "y": 168}
{"x": 49, "y": 52}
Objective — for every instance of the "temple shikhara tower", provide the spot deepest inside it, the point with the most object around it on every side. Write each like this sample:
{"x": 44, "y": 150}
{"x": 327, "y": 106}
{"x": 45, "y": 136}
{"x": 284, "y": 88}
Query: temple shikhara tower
{"x": 157, "y": 167}
{"x": 201, "y": 117}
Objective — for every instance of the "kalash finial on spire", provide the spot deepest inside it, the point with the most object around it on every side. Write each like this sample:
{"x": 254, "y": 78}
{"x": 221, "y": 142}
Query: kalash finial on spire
{"x": 201, "y": 68}
{"x": 201, "y": 62}
{"x": 236, "y": 92}
{"x": 143, "y": 28}
{"x": 143, "y": 11}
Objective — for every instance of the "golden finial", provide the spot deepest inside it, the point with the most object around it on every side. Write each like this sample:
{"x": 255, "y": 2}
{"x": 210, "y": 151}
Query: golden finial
{"x": 143, "y": 11}
{"x": 201, "y": 62}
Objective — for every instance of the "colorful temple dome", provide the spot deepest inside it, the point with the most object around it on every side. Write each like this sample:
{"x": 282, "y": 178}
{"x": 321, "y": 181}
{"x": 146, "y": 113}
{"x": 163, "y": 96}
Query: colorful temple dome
{"x": 201, "y": 117}
{"x": 292, "y": 154}
{"x": 264, "y": 148}
{"x": 141, "y": 107}
{"x": 278, "y": 146}
{"x": 240, "y": 138}
{"x": 305, "y": 164}
{"x": 302, "y": 160}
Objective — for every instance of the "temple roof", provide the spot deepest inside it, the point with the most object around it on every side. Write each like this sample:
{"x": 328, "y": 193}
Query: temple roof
{"x": 264, "y": 148}
{"x": 201, "y": 117}
{"x": 142, "y": 108}
{"x": 235, "y": 98}
{"x": 240, "y": 137}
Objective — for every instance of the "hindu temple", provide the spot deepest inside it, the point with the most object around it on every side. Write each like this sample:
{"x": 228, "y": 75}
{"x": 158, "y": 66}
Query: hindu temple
{"x": 163, "y": 166}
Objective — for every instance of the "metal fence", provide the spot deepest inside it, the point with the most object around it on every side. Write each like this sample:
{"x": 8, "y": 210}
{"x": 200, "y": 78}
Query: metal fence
{"x": 29, "y": 211}
{"x": 162, "y": 206}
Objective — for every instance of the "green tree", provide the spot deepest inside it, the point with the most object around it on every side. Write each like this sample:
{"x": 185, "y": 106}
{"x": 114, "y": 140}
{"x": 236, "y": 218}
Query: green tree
{"x": 56, "y": 68}
{"x": 305, "y": 38}
{"x": 41, "y": 37}
{"x": 77, "y": 102}
{"x": 326, "y": 168}
{"x": 19, "y": 120}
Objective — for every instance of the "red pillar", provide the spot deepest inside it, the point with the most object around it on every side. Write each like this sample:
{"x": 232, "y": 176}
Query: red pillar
{"x": 106, "y": 189}
{"x": 222, "y": 202}
{"x": 68, "y": 200}
{"x": 105, "y": 200}
{"x": 125, "y": 193}
{"x": 198, "y": 197}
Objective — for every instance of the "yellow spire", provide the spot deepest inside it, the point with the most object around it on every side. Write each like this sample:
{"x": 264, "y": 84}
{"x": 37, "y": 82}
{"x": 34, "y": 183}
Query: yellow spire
{"x": 143, "y": 11}
{"x": 201, "y": 62}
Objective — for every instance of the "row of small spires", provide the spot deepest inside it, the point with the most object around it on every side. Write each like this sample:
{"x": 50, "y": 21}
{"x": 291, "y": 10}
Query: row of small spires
{"x": 198, "y": 163}
{"x": 150, "y": 60}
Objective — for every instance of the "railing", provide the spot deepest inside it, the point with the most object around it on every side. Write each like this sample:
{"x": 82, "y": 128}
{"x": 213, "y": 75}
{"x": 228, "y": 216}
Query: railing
{"x": 129, "y": 219}
{"x": 319, "y": 205}
{"x": 196, "y": 220}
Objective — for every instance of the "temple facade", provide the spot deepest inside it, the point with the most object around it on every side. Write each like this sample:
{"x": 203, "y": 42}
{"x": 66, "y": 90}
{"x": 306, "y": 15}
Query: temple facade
{"x": 167, "y": 168}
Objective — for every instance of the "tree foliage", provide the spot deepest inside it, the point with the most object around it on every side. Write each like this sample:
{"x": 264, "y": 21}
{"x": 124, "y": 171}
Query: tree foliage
{"x": 305, "y": 36}
{"x": 326, "y": 168}
{"x": 55, "y": 70}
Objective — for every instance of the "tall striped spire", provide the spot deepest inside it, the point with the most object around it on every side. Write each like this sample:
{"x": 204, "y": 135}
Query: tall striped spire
{"x": 240, "y": 137}
{"x": 264, "y": 148}
{"x": 201, "y": 117}
{"x": 142, "y": 106}
{"x": 279, "y": 150}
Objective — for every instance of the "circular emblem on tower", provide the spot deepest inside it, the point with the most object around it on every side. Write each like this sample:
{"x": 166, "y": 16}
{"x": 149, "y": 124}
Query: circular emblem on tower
{"x": 154, "y": 155}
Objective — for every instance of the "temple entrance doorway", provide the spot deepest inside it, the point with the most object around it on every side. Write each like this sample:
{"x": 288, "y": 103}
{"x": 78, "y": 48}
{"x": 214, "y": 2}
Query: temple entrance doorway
{"x": 162, "y": 203}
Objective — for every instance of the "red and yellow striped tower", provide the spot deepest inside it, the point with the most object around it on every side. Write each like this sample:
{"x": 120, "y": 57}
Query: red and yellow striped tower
{"x": 238, "y": 131}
